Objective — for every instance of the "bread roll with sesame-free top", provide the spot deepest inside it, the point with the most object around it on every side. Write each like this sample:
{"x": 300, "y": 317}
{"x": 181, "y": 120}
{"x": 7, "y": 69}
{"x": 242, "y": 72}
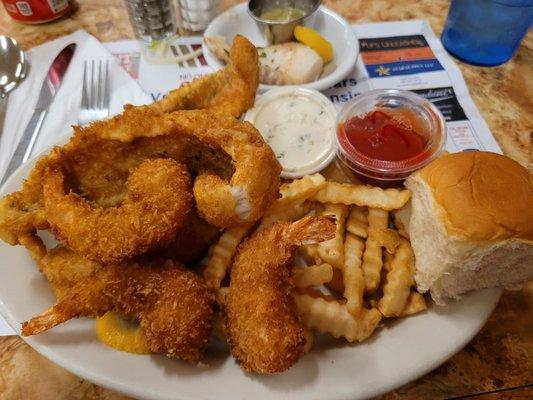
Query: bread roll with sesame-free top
{"x": 471, "y": 224}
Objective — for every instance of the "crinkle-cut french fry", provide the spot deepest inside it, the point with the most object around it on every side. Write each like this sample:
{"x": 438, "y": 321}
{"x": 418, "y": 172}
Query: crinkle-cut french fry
{"x": 387, "y": 259}
{"x": 286, "y": 212}
{"x": 415, "y": 303}
{"x": 222, "y": 254}
{"x": 354, "y": 281}
{"x": 301, "y": 189}
{"x": 336, "y": 172}
{"x": 318, "y": 294}
{"x": 332, "y": 317}
{"x": 372, "y": 299}
{"x": 314, "y": 275}
{"x": 373, "y": 303}
{"x": 310, "y": 254}
{"x": 292, "y": 205}
{"x": 357, "y": 222}
{"x": 309, "y": 340}
{"x": 362, "y": 195}
{"x": 332, "y": 251}
{"x": 318, "y": 208}
{"x": 387, "y": 238}
{"x": 337, "y": 282}
{"x": 399, "y": 280}
{"x": 372, "y": 257}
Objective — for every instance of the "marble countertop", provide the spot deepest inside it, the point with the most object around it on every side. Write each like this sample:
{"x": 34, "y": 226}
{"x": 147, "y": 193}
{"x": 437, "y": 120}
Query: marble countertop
{"x": 497, "y": 364}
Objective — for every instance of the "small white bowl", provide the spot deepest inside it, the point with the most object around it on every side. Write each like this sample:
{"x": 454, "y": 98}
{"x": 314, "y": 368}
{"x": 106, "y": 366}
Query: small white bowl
{"x": 322, "y": 158}
{"x": 329, "y": 24}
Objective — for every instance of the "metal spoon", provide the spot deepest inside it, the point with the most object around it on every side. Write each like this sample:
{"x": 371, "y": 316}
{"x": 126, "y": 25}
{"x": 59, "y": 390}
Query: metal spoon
{"x": 12, "y": 65}
{"x": 12, "y": 71}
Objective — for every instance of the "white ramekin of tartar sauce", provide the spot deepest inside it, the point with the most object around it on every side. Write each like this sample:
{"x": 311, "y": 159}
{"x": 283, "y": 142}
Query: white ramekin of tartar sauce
{"x": 299, "y": 126}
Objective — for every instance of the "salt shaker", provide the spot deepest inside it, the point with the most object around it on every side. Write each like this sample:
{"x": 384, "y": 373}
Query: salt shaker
{"x": 152, "y": 20}
{"x": 196, "y": 15}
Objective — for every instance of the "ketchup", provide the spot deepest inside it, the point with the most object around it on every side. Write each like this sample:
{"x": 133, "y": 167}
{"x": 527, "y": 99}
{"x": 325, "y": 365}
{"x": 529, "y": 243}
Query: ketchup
{"x": 394, "y": 135}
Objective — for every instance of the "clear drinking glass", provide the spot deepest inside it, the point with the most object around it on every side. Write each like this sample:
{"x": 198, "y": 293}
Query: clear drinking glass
{"x": 195, "y": 15}
{"x": 486, "y": 32}
{"x": 152, "y": 20}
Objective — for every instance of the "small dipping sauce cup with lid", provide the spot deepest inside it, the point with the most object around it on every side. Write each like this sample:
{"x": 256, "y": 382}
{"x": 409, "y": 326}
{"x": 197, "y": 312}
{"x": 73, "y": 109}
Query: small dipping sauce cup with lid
{"x": 387, "y": 134}
{"x": 299, "y": 125}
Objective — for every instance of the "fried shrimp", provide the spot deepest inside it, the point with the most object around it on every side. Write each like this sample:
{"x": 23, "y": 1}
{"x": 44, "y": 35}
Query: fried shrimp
{"x": 237, "y": 172}
{"x": 174, "y": 307}
{"x": 100, "y": 168}
{"x": 207, "y": 143}
{"x": 156, "y": 205}
{"x": 265, "y": 334}
{"x": 191, "y": 242}
{"x": 22, "y": 212}
{"x": 63, "y": 269}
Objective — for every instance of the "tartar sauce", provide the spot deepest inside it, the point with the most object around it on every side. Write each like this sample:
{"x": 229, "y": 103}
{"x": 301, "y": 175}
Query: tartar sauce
{"x": 299, "y": 126}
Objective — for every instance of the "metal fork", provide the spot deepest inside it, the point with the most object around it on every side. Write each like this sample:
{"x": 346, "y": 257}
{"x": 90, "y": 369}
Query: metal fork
{"x": 95, "y": 94}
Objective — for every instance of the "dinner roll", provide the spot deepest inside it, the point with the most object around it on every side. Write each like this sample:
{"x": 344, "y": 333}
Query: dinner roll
{"x": 471, "y": 224}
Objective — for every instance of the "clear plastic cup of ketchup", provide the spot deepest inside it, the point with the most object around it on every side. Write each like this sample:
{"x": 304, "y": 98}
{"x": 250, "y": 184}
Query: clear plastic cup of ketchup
{"x": 385, "y": 135}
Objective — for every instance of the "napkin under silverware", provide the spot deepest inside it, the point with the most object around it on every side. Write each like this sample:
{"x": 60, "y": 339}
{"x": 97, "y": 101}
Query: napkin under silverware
{"x": 63, "y": 112}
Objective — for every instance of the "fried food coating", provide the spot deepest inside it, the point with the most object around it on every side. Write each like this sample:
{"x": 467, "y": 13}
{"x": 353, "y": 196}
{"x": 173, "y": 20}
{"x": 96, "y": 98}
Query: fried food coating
{"x": 98, "y": 159}
{"x": 174, "y": 306}
{"x": 191, "y": 242}
{"x": 63, "y": 269}
{"x": 99, "y": 169}
{"x": 264, "y": 331}
{"x": 22, "y": 212}
{"x": 208, "y": 143}
{"x": 155, "y": 207}
{"x": 230, "y": 91}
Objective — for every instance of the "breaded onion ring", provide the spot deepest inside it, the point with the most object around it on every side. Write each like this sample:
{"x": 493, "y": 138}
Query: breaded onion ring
{"x": 156, "y": 206}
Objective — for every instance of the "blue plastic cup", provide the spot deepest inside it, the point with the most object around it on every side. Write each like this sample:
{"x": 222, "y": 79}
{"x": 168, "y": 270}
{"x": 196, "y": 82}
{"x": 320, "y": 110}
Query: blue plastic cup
{"x": 486, "y": 32}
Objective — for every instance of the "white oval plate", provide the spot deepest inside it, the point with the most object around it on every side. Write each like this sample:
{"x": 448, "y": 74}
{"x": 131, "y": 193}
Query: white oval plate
{"x": 328, "y": 23}
{"x": 397, "y": 353}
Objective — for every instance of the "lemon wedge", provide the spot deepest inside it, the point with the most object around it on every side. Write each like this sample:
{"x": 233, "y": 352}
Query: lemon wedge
{"x": 314, "y": 40}
{"x": 118, "y": 333}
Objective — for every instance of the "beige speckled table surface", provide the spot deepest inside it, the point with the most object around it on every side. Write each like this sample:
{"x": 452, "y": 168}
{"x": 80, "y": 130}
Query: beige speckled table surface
{"x": 497, "y": 364}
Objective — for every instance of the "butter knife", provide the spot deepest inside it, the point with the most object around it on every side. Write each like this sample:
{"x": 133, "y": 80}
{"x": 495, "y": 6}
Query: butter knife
{"x": 49, "y": 88}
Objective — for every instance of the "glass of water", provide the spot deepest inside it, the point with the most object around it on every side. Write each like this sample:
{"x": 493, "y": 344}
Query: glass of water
{"x": 195, "y": 15}
{"x": 152, "y": 20}
{"x": 486, "y": 32}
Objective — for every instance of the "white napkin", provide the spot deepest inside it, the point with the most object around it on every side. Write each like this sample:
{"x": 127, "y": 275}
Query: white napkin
{"x": 63, "y": 112}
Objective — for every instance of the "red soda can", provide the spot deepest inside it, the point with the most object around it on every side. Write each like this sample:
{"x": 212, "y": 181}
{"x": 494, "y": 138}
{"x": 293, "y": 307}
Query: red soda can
{"x": 36, "y": 11}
